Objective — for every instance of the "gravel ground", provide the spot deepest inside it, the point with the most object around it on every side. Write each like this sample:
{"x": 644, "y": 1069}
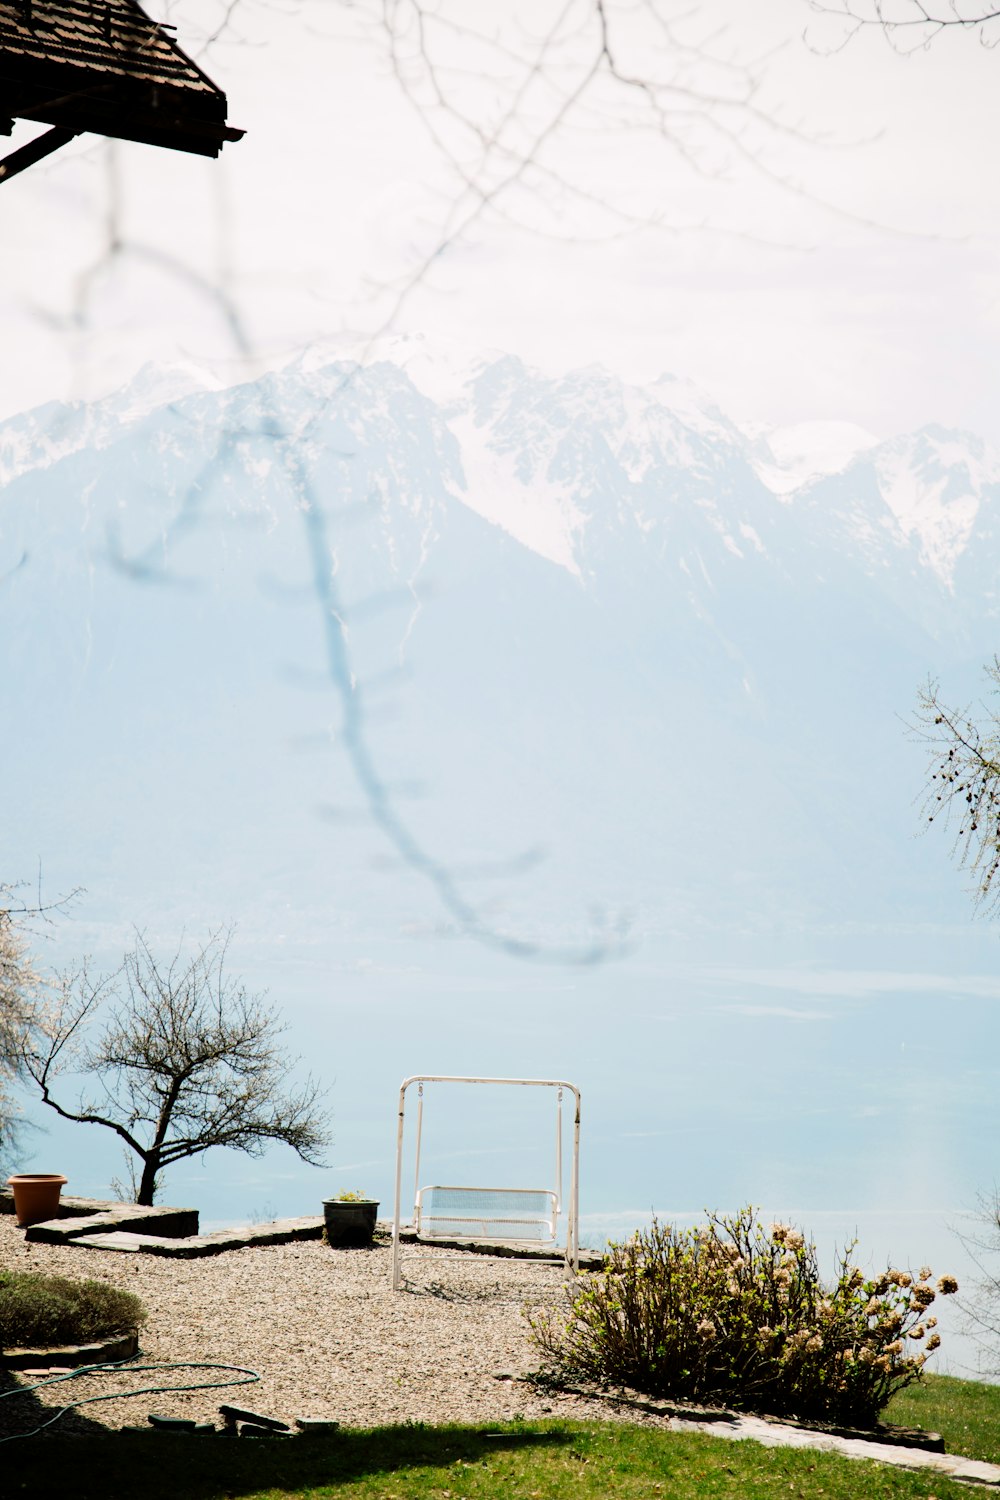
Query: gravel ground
{"x": 330, "y": 1339}
{"x": 323, "y": 1328}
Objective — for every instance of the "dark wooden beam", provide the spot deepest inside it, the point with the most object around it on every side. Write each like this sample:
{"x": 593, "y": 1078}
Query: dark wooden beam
{"x": 42, "y": 146}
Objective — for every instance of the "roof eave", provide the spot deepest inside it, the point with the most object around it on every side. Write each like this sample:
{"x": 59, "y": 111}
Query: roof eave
{"x": 155, "y": 128}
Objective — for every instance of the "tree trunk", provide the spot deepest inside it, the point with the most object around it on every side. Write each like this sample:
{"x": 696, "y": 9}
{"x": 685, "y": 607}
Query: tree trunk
{"x": 147, "y": 1183}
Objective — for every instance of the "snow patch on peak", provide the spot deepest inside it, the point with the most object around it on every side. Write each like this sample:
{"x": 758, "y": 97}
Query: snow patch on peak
{"x": 40, "y": 438}
{"x": 156, "y": 386}
{"x": 440, "y": 368}
{"x": 933, "y": 483}
{"x": 541, "y": 516}
{"x": 828, "y": 445}
{"x": 786, "y": 458}
{"x": 749, "y": 534}
{"x": 687, "y": 401}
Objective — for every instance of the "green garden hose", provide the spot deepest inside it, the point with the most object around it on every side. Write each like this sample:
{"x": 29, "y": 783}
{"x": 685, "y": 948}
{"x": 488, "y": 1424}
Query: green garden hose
{"x": 245, "y": 1377}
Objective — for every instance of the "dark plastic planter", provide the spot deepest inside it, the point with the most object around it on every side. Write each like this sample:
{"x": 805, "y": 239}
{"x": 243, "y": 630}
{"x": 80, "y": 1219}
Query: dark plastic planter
{"x": 350, "y": 1223}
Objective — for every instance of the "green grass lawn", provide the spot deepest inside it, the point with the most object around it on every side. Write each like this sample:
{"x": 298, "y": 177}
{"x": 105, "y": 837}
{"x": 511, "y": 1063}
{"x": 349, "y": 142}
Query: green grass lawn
{"x": 531, "y": 1461}
{"x": 965, "y": 1412}
{"x": 549, "y": 1460}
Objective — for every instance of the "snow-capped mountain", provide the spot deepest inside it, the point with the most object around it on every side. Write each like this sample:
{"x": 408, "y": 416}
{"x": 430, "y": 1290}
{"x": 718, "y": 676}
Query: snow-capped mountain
{"x": 562, "y": 464}
{"x": 602, "y": 618}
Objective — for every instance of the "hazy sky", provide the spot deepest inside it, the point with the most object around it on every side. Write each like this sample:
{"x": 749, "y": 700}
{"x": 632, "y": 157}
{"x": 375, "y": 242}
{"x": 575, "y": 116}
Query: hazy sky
{"x": 708, "y": 251}
{"x": 825, "y": 246}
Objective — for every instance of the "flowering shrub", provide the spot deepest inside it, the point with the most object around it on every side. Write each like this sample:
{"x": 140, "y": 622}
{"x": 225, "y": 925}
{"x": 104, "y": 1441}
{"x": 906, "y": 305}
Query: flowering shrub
{"x": 736, "y": 1313}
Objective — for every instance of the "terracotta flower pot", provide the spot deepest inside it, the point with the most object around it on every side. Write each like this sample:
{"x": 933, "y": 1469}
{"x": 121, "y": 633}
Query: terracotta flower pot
{"x": 36, "y": 1196}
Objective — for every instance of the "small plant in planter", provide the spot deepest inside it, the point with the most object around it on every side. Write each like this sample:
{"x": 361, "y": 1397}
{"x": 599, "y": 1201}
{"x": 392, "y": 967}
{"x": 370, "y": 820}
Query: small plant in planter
{"x": 350, "y": 1218}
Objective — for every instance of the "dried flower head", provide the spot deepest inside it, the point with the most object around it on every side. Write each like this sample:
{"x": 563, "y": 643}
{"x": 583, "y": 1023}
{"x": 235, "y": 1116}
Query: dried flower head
{"x": 946, "y": 1285}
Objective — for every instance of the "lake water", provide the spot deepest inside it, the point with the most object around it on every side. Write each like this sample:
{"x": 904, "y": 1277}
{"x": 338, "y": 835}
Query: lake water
{"x": 799, "y": 1089}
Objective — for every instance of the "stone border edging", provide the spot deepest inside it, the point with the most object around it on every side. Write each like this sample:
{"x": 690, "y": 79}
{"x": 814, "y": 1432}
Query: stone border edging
{"x": 71, "y": 1356}
{"x": 590, "y": 1260}
{"x": 882, "y": 1432}
{"x": 772, "y": 1432}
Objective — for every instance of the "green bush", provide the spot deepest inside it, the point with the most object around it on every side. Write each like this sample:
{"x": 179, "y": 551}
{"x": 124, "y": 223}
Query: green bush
{"x": 735, "y": 1314}
{"x": 38, "y": 1310}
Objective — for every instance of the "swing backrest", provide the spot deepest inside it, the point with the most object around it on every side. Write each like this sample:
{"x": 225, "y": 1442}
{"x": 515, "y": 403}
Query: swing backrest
{"x": 499, "y": 1214}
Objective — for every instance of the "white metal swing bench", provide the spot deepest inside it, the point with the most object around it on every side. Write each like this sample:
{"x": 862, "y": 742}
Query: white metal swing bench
{"x": 491, "y": 1215}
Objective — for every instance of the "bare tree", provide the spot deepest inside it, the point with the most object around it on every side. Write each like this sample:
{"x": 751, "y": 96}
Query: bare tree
{"x": 19, "y": 992}
{"x": 185, "y": 1057}
{"x": 964, "y": 782}
{"x": 963, "y": 785}
{"x": 981, "y": 1309}
{"x": 911, "y": 24}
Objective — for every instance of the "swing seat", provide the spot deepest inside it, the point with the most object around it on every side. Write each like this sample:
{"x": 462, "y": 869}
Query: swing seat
{"x": 490, "y": 1214}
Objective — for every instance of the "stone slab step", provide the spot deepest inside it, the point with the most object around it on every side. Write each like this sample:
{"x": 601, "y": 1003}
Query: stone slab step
{"x": 173, "y": 1223}
{"x": 279, "y": 1232}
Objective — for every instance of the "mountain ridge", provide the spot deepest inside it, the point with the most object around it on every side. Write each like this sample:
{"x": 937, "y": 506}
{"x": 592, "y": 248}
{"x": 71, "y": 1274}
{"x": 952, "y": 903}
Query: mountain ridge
{"x": 565, "y": 463}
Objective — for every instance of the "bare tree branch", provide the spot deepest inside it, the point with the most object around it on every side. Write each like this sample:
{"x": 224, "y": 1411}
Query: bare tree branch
{"x": 21, "y": 998}
{"x": 187, "y": 1059}
{"x": 963, "y": 783}
{"x": 912, "y": 25}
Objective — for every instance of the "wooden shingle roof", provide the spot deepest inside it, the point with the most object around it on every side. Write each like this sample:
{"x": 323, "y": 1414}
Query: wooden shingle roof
{"x": 105, "y": 66}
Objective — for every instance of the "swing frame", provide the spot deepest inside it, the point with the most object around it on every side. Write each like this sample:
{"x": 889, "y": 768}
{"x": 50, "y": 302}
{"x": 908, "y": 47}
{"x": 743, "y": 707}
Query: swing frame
{"x": 519, "y": 1199}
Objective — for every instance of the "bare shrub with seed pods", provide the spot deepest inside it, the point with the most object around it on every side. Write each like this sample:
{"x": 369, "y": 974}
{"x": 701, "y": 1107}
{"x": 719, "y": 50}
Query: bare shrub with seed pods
{"x": 963, "y": 782}
{"x": 736, "y": 1314}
